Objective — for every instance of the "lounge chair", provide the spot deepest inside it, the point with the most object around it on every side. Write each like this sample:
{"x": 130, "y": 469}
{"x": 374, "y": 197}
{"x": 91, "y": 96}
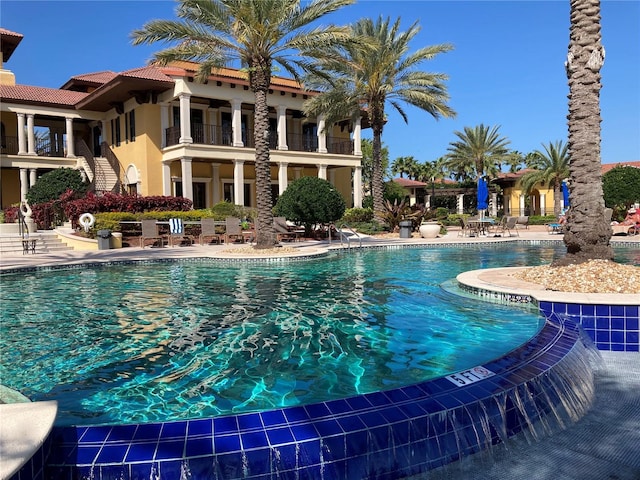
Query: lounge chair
{"x": 177, "y": 235}
{"x": 150, "y": 232}
{"x": 208, "y": 230}
{"x": 233, "y": 230}
{"x": 283, "y": 232}
{"x": 507, "y": 225}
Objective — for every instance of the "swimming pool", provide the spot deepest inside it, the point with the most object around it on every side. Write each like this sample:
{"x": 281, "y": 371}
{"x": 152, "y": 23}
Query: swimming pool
{"x": 168, "y": 341}
{"x": 395, "y": 432}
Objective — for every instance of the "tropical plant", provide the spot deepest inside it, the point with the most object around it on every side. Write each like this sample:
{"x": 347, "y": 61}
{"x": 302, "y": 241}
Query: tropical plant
{"x": 373, "y": 70}
{"x": 408, "y": 165}
{"x": 258, "y": 34}
{"x": 552, "y": 166}
{"x": 479, "y": 151}
{"x": 310, "y": 200}
{"x": 587, "y": 234}
{"x": 367, "y": 163}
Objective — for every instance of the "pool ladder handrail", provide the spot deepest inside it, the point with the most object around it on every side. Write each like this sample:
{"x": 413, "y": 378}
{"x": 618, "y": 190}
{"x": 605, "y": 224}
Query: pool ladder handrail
{"x": 345, "y": 236}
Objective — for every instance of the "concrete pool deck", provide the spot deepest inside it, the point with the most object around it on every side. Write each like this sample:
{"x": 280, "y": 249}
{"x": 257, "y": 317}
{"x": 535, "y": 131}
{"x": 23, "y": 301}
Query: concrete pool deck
{"x": 604, "y": 444}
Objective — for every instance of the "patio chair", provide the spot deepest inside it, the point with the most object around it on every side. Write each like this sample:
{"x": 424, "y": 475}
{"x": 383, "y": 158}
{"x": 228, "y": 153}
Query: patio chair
{"x": 466, "y": 229}
{"x": 233, "y": 230}
{"x": 208, "y": 230}
{"x": 150, "y": 232}
{"x": 507, "y": 225}
{"x": 283, "y": 232}
{"x": 177, "y": 235}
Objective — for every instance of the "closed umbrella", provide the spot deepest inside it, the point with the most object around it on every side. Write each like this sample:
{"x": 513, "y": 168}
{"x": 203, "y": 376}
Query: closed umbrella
{"x": 483, "y": 194}
{"x": 565, "y": 194}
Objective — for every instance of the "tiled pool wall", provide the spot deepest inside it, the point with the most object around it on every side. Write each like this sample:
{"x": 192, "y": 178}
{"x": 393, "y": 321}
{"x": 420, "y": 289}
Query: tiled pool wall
{"x": 382, "y": 435}
{"x": 610, "y": 327}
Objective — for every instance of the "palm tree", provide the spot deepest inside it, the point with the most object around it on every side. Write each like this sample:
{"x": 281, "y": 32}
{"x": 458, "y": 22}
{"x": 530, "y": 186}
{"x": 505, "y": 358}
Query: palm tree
{"x": 367, "y": 163}
{"x": 479, "y": 151}
{"x": 402, "y": 165}
{"x": 258, "y": 34}
{"x": 375, "y": 69}
{"x": 587, "y": 234}
{"x": 552, "y": 166}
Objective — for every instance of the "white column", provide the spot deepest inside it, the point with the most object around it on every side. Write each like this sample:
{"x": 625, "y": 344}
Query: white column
{"x": 357, "y": 187}
{"x": 238, "y": 182}
{"x": 24, "y": 184}
{"x": 521, "y": 212}
{"x": 71, "y": 149}
{"x": 460, "y": 203}
{"x": 322, "y": 171}
{"x": 282, "y": 177}
{"x": 427, "y": 201}
{"x": 322, "y": 135}
{"x": 22, "y": 144}
{"x": 215, "y": 175}
{"x": 164, "y": 123}
{"x": 166, "y": 178}
{"x": 494, "y": 204}
{"x": 236, "y": 122}
{"x": 33, "y": 176}
{"x": 31, "y": 137}
{"x": 357, "y": 136}
{"x": 185, "y": 119}
{"x": 543, "y": 204}
{"x": 282, "y": 128}
{"x": 187, "y": 178}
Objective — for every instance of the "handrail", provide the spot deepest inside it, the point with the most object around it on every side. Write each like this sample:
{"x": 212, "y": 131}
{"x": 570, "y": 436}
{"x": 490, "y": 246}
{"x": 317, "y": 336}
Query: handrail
{"x": 342, "y": 234}
{"x": 22, "y": 225}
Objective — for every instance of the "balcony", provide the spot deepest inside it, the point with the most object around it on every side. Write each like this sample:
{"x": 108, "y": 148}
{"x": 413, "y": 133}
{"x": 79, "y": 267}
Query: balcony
{"x": 43, "y": 148}
{"x": 223, "y": 136}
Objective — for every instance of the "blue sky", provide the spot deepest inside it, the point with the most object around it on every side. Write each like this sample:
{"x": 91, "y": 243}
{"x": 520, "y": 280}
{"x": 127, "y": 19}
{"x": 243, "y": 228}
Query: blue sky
{"x": 506, "y": 69}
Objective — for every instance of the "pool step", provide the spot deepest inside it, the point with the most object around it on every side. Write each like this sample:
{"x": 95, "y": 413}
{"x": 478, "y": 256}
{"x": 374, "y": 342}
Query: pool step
{"x": 45, "y": 242}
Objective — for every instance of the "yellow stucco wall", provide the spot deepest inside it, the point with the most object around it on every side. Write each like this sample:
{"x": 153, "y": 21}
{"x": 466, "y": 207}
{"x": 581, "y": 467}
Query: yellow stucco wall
{"x": 512, "y": 196}
{"x": 10, "y": 186}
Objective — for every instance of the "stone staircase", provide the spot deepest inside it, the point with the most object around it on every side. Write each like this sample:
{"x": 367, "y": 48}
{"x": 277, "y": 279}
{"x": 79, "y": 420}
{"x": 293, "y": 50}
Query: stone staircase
{"x": 45, "y": 242}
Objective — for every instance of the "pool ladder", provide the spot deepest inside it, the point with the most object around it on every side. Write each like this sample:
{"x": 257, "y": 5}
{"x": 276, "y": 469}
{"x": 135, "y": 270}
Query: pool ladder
{"x": 343, "y": 236}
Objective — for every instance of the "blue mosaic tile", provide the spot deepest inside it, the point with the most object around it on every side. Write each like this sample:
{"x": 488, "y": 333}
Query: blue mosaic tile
{"x": 86, "y": 455}
{"x": 588, "y": 310}
{"x": 632, "y": 311}
{"x": 617, "y": 323}
{"x": 167, "y": 450}
{"x": 618, "y": 310}
{"x": 359, "y": 403}
{"x": 95, "y": 434}
{"x": 378, "y": 399}
{"x": 372, "y": 419}
{"x": 199, "y": 468}
{"x": 202, "y": 427}
{"x": 149, "y": 431}
{"x": 328, "y": 427}
{"x": 229, "y": 465}
{"x": 122, "y": 433}
{"x": 251, "y": 440}
{"x": 258, "y": 462}
{"x": 356, "y": 443}
{"x": 617, "y": 337}
{"x": 603, "y": 310}
{"x": 310, "y": 452}
{"x": 112, "y": 454}
{"x": 632, "y": 337}
{"x": 338, "y": 407}
{"x": 280, "y": 436}
{"x": 296, "y": 414}
{"x": 304, "y": 432}
{"x": 603, "y": 323}
{"x": 112, "y": 472}
{"x": 174, "y": 430}
{"x": 574, "y": 309}
{"x": 143, "y": 452}
{"x": 249, "y": 421}
{"x": 196, "y": 447}
{"x": 317, "y": 410}
{"x": 351, "y": 423}
{"x": 311, "y": 473}
{"x": 226, "y": 443}
{"x": 631, "y": 323}
{"x": 274, "y": 417}
{"x": 225, "y": 425}
{"x": 284, "y": 457}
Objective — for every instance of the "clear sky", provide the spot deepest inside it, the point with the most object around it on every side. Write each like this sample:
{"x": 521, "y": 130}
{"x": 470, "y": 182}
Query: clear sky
{"x": 506, "y": 69}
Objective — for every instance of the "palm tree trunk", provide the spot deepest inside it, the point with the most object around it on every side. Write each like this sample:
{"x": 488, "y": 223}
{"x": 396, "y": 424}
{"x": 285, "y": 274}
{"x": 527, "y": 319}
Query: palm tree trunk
{"x": 377, "y": 180}
{"x": 557, "y": 198}
{"x": 265, "y": 231}
{"x": 587, "y": 235}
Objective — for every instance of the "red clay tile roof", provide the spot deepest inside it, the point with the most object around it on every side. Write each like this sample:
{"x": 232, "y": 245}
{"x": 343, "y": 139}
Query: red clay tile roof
{"x": 40, "y": 95}
{"x": 407, "y": 182}
{"x": 147, "y": 73}
{"x": 9, "y": 33}
{"x": 95, "y": 77}
{"x": 608, "y": 166}
{"x": 8, "y": 42}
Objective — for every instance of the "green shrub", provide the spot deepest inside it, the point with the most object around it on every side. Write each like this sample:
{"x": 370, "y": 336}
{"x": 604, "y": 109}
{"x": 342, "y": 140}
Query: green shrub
{"x": 621, "y": 188}
{"x": 542, "y": 219}
{"x": 53, "y": 184}
{"x": 369, "y": 228}
{"x": 310, "y": 200}
{"x": 357, "y": 215}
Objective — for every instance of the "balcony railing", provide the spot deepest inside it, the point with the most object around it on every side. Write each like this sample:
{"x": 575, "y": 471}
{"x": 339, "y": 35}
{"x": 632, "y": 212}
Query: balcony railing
{"x": 217, "y": 135}
{"x": 43, "y": 147}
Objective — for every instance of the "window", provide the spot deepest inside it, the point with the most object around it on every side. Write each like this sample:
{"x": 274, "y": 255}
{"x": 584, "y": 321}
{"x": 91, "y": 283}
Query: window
{"x": 230, "y": 197}
{"x": 118, "y": 132}
{"x": 113, "y": 133}
{"x": 132, "y": 125}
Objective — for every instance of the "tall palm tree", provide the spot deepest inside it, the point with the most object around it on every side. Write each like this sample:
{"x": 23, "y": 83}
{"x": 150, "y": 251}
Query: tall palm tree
{"x": 402, "y": 165}
{"x": 479, "y": 151}
{"x": 552, "y": 166}
{"x": 258, "y": 34}
{"x": 587, "y": 234}
{"x": 373, "y": 71}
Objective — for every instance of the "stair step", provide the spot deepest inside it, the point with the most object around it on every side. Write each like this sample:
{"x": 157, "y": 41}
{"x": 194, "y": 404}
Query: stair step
{"x": 45, "y": 243}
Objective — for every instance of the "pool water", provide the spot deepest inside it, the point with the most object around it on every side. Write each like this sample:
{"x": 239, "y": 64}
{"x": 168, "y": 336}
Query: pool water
{"x": 165, "y": 341}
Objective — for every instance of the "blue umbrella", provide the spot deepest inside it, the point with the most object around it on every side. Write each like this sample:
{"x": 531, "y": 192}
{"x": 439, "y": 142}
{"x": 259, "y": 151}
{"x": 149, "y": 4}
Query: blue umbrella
{"x": 565, "y": 194}
{"x": 483, "y": 194}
